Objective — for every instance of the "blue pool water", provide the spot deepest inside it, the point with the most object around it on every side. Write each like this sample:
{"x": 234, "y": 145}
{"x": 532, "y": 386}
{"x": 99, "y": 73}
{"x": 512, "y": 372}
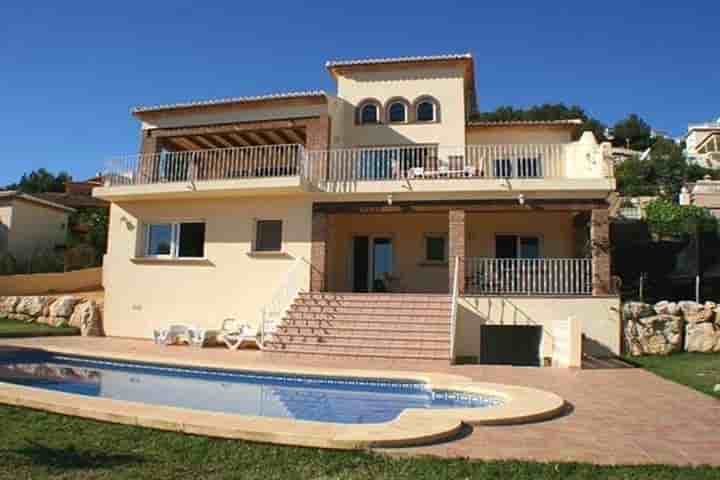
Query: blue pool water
{"x": 301, "y": 397}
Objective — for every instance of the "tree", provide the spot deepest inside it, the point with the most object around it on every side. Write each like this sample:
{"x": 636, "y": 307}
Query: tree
{"x": 546, "y": 111}
{"x": 663, "y": 173}
{"x": 632, "y": 132}
{"x": 40, "y": 181}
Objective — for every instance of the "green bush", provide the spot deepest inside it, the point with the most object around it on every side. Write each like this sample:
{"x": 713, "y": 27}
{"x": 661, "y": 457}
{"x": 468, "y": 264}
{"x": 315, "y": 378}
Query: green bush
{"x": 8, "y": 264}
{"x": 667, "y": 219}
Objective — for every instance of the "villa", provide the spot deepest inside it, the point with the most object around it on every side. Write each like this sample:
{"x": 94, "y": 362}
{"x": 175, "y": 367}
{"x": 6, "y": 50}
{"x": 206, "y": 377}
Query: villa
{"x": 376, "y": 221}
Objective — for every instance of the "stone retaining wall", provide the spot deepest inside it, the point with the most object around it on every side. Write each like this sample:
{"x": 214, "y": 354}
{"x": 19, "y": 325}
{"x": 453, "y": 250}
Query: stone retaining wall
{"x": 71, "y": 310}
{"x": 669, "y": 327}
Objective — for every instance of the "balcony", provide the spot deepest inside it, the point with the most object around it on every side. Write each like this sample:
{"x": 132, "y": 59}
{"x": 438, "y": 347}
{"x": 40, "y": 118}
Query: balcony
{"x": 421, "y": 168}
{"x": 528, "y": 276}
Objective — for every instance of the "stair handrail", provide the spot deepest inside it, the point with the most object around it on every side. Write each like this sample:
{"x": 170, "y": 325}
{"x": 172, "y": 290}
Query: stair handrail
{"x": 283, "y": 298}
{"x": 453, "y": 308}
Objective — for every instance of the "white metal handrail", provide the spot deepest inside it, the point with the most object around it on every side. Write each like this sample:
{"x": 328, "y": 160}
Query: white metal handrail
{"x": 453, "y": 307}
{"x": 528, "y": 276}
{"x": 272, "y": 313}
{"x": 420, "y": 162}
{"x": 200, "y": 165}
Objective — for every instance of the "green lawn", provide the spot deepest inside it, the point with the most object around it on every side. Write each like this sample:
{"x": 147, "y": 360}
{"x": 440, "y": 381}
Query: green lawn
{"x": 43, "y": 445}
{"x": 16, "y": 329}
{"x": 700, "y": 371}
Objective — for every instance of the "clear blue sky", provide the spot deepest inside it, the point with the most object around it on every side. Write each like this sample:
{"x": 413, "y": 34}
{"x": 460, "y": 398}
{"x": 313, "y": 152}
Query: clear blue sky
{"x": 71, "y": 70}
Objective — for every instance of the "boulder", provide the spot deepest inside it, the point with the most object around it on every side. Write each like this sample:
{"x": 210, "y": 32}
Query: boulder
{"x": 63, "y": 306}
{"x": 87, "y": 318}
{"x": 668, "y": 308}
{"x": 32, "y": 306}
{"x": 8, "y": 305}
{"x": 702, "y": 337}
{"x": 43, "y": 320}
{"x": 689, "y": 307}
{"x": 705, "y": 314}
{"x": 634, "y": 310}
{"x": 20, "y": 317}
{"x": 654, "y": 335}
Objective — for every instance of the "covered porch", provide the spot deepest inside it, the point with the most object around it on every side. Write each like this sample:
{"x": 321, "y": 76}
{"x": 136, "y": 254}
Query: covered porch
{"x": 542, "y": 248}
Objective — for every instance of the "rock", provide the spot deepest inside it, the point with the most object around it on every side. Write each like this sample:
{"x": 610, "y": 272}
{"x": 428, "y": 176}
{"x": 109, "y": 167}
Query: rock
{"x": 87, "y": 318}
{"x": 32, "y": 306}
{"x": 63, "y": 306}
{"x": 711, "y": 305}
{"x": 634, "y": 310}
{"x": 654, "y": 335}
{"x": 20, "y": 317}
{"x": 668, "y": 308}
{"x": 703, "y": 315}
{"x": 716, "y": 388}
{"x": 58, "y": 321}
{"x": 689, "y": 307}
{"x": 43, "y": 320}
{"x": 8, "y": 305}
{"x": 702, "y": 337}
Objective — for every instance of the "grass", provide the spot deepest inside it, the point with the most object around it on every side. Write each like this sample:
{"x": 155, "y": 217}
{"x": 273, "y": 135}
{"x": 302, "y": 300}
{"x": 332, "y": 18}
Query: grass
{"x": 700, "y": 371}
{"x": 43, "y": 445}
{"x": 16, "y": 329}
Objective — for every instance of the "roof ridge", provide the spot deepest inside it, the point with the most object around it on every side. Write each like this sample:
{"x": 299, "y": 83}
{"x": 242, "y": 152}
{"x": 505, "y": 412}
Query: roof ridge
{"x": 226, "y": 100}
{"x": 416, "y": 58}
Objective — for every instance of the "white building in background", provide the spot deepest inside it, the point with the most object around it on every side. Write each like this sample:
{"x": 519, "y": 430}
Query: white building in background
{"x": 703, "y": 144}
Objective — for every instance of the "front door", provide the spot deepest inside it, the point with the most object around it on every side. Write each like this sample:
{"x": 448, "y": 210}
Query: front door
{"x": 382, "y": 259}
{"x": 372, "y": 263}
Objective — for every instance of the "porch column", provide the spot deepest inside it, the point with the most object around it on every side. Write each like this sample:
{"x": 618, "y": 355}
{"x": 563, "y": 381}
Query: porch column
{"x": 600, "y": 247}
{"x": 147, "y": 167}
{"x": 456, "y": 247}
{"x": 318, "y": 252}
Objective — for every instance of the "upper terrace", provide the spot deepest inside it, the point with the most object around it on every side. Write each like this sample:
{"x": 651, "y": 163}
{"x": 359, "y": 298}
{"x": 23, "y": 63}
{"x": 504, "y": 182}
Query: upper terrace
{"x": 291, "y": 167}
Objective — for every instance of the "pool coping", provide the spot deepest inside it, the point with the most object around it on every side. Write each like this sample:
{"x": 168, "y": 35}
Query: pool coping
{"x": 412, "y": 427}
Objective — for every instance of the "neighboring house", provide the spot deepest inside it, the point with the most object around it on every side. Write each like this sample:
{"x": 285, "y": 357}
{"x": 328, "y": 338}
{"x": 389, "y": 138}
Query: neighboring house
{"x": 703, "y": 144}
{"x": 30, "y": 225}
{"x": 78, "y": 195}
{"x": 233, "y": 205}
{"x": 703, "y": 193}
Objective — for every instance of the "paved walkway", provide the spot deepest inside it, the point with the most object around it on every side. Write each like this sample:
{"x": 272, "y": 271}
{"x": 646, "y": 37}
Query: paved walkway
{"x": 616, "y": 416}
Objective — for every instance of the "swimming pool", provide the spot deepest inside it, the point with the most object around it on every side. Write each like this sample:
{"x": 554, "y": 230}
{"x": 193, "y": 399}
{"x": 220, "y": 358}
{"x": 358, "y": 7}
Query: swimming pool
{"x": 343, "y": 400}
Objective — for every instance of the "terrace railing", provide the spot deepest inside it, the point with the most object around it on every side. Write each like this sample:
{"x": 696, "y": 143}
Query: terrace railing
{"x": 202, "y": 165}
{"x": 528, "y": 276}
{"x": 420, "y": 162}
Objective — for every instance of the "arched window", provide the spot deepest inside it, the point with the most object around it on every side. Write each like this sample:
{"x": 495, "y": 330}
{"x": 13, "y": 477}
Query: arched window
{"x": 397, "y": 112}
{"x": 426, "y": 111}
{"x": 368, "y": 113}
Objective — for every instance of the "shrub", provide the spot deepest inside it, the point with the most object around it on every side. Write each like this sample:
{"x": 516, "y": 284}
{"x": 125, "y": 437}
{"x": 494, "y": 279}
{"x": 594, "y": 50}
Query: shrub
{"x": 667, "y": 219}
{"x": 8, "y": 264}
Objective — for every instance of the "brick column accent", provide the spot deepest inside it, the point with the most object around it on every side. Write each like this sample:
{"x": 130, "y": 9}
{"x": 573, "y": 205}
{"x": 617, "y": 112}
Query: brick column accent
{"x": 456, "y": 247}
{"x": 600, "y": 246}
{"x": 318, "y": 252}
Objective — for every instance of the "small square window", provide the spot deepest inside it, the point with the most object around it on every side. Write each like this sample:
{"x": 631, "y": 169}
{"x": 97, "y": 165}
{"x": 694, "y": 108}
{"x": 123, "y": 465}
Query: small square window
{"x": 435, "y": 248}
{"x": 268, "y": 236}
{"x": 191, "y": 240}
{"x": 175, "y": 240}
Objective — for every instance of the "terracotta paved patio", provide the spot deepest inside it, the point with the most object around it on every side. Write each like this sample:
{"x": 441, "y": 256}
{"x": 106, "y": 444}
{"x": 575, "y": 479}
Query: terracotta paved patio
{"x": 616, "y": 416}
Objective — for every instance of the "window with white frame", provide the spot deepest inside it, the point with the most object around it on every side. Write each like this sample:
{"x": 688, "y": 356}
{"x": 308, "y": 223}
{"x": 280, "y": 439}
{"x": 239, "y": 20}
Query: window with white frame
{"x": 436, "y": 247}
{"x": 175, "y": 240}
{"x": 369, "y": 113}
{"x": 268, "y": 236}
{"x": 517, "y": 246}
{"x": 426, "y": 111}
{"x": 397, "y": 112}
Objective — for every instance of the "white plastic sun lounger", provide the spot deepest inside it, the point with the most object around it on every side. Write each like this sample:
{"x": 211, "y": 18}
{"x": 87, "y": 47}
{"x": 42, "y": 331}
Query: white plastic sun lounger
{"x": 174, "y": 333}
{"x": 236, "y": 335}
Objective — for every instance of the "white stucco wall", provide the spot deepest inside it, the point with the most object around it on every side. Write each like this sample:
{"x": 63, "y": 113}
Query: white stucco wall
{"x": 599, "y": 316}
{"x": 231, "y": 282}
{"x": 444, "y": 83}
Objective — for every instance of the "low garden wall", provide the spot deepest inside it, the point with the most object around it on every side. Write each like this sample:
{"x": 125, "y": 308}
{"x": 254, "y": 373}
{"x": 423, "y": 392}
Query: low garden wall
{"x": 40, "y": 283}
{"x": 669, "y": 327}
{"x": 69, "y": 310}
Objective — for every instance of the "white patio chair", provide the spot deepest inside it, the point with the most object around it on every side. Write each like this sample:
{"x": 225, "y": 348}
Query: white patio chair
{"x": 235, "y": 334}
{"x": 172, "y": 334}
{"x": 416, "y": 172}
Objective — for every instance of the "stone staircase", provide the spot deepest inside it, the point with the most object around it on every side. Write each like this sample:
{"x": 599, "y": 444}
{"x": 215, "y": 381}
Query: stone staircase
{"x": 376, "y": 325}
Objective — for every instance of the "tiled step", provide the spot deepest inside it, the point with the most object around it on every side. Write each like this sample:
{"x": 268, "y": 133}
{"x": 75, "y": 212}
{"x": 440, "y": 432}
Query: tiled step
{"x": 409, "y": 326}
{"x": 334, "y": 339}
{"x": 351, "y": 330}
{"x": 372, "y": 308}
{"x": 357, "y": 351}
{"x": 361, "y": 322}
{"x": 418, "y": 317}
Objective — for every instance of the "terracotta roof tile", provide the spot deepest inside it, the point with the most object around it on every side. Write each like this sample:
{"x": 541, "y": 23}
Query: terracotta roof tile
{"x": 422, "y": 58}
{"x": 230, "y": 100}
